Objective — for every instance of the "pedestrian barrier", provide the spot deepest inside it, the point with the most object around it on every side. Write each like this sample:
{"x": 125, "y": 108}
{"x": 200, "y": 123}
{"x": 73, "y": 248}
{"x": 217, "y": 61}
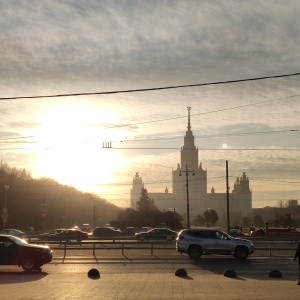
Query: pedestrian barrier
{"x": 123, "y": 246}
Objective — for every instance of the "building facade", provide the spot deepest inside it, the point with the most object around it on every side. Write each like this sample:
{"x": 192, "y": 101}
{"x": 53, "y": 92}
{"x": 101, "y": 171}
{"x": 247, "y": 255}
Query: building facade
{"x": 190, "y": 178}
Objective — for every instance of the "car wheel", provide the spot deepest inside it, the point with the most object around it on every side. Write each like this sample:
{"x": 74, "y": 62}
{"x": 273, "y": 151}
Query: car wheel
{"x": 28, "y": 264}
{"x": 241, "y": 253}
{"x": 195, "y": 252}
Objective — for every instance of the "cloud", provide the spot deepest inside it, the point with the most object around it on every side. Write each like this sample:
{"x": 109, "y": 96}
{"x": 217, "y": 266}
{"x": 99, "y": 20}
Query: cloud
{"x": 187, "y": 38}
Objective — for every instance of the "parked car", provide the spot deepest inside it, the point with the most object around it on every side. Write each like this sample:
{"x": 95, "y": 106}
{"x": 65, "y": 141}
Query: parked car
{"x": 197, "y": 242}
{"x": 68, "y": 235}
{"x": 15, "y": 251}
{"x": 163, "y": 225}
{"x": 105, "y": 232}
{"x": 145, "y": 229}
{"x": 236, "y": 232}
{"x": 44, "y": 236}
{"x": 130, "y": 231}
{"x": 276, "y": 232}
{"x": 257, "y": 232}
{"x": 157, "y": 234}
{"x": 117, "y": 229}
{"x": 14, "y": 232}
{"x": 86, "y": 228}
{"x": 283, "y": 232}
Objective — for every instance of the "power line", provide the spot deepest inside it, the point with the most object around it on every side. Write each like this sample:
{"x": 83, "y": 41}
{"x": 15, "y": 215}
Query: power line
{"x": 216, "y": 135}
{"x": 206, "y": 113}
{"x": 203, "y": 149}
{"x": 150, "y": 89}
{"x": 170, "y": 138}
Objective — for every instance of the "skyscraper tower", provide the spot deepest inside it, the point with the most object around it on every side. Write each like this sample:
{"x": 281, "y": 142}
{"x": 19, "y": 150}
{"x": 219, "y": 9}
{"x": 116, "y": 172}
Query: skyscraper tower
{"x": 197, "y": 178}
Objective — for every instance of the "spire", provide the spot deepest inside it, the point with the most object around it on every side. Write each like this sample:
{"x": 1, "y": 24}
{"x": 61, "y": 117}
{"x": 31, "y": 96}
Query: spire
{"x": 189, "y": 138}
{"x": 189, "y": 108}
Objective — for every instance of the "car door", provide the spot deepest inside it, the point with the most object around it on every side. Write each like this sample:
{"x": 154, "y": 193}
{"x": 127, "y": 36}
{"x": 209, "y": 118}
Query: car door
{"x": 8, "y": 251}
{"x": 223, "y": 243}
{"x": 208, "y": 240}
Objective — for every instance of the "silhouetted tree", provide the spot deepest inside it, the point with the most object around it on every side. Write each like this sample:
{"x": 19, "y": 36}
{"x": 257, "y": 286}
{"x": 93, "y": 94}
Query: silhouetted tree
{"x": 246, "y": 222}
{"x": 145, "y": 204}
{"x": 258, "y": 221}
{"x": 199, "y": 221}
{"x": 211, "y": 217}
{"x": 65, "y": 205}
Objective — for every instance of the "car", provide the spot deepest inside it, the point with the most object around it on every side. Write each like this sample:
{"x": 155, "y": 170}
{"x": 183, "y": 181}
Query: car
{"x": 15, "y": 251}
{"x": 14, "y": 232}
{"x": 145, "y": 229}
{"x": 105, "y": 232}
{"x": 130, "y": 231}
{"x": 282, "y": 232}
{"x": 68, "y": 235}
{"x": 257, "y": 232}
{"x": 157, "y": 234}
{"x": 236, "y": 232}
{"x": 197, "y": 242}
{"x": 86, "y": 227}
{"x": 116, "y": 228}
{"x": 276, "y": 232}
{"x": 163, "y": 225}
{"x": 44, "y": 236}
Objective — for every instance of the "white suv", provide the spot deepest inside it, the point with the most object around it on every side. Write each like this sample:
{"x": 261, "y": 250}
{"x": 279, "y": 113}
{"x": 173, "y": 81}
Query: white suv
{"x": 197, "y": 242}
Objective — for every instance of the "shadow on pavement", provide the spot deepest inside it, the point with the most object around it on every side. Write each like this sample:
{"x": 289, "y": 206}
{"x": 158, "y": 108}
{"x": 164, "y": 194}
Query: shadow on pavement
{"x": 19, "y": 277}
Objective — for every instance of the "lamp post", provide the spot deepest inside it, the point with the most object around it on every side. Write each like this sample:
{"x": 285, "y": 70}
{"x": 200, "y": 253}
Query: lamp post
{"x": 209, "y": 214}
{"x": 5, "y": 211}
{"x": 174, "y": 210}
{"x": 187, "y": 195}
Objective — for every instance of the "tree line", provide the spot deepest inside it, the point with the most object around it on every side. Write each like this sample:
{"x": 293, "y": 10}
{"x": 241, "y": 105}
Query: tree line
{"x": 45, "y": 204}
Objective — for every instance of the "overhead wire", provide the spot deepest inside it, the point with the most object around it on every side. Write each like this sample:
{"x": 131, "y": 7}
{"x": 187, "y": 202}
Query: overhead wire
{"x": 151, "y": 89}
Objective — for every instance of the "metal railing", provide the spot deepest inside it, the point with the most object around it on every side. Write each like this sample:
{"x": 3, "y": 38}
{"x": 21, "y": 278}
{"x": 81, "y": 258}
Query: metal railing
{"x": 269, "y": 246}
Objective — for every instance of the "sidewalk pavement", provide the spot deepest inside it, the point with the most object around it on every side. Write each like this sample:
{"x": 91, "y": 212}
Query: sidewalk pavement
{"x": 145, "y": 286}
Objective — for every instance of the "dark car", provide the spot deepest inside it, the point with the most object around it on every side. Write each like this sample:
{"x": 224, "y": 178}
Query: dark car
{"x": 68, "y": 235}
{"x": 86, "y": 228}
{"x": 130, "y": 231}
{"x": 105, "y": 232}
{"x": 15, "y": 251}
{"x": 45, "y": 236}
{"x": 14, "y": 232}
{"x": 157, "y": 234}
{"x": 236, "y": 232}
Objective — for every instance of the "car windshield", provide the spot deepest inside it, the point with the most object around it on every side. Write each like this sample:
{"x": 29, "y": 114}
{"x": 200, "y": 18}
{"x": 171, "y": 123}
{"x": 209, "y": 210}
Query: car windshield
{"x": 18, "y": 241}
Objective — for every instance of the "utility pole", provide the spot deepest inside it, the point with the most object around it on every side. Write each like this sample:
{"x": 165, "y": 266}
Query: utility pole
{"x": 173, "y": 209}
{"x": 188, "y": 225}
{"x": 5, "y": 210}
{"x": 227, "y": 196}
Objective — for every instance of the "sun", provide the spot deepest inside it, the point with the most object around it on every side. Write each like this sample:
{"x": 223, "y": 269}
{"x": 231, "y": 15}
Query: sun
{"x": 70, "y": 147}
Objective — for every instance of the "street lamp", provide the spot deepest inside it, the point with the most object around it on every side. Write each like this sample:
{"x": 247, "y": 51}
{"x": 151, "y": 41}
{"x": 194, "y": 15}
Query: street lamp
{"x": 174, "y": 210}
{"x": 209, "y": 214}
{"x": 187, "y": 195}
{"x": 5, "y": 211}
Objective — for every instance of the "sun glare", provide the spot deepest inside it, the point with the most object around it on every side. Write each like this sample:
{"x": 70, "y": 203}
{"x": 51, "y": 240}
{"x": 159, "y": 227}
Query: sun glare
{"x": 70, "y": 145}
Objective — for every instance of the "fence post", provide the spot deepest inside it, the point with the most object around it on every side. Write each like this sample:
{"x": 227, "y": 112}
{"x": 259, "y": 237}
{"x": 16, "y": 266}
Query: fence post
{"x": 152, "y": 248}
{"x": 65, "y": 249}
{"x": 94, "y": 249}
{"x": 122, "y": 248}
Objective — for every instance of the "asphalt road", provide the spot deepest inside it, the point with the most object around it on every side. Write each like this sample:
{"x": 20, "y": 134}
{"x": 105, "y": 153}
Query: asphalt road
{"x": 136, "y": 261}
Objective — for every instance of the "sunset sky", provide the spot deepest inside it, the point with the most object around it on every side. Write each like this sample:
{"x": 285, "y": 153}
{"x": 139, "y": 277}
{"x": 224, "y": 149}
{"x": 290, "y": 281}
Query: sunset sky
{"x": 82, "y": 47}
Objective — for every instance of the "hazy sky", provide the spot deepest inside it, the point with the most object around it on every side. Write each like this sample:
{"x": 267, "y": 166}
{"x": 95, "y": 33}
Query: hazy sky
{"x": 60, "y": 47}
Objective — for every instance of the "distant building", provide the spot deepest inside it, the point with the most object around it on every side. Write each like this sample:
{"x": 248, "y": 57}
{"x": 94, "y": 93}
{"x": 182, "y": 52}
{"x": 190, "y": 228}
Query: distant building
{"x": 199, "y": 199}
